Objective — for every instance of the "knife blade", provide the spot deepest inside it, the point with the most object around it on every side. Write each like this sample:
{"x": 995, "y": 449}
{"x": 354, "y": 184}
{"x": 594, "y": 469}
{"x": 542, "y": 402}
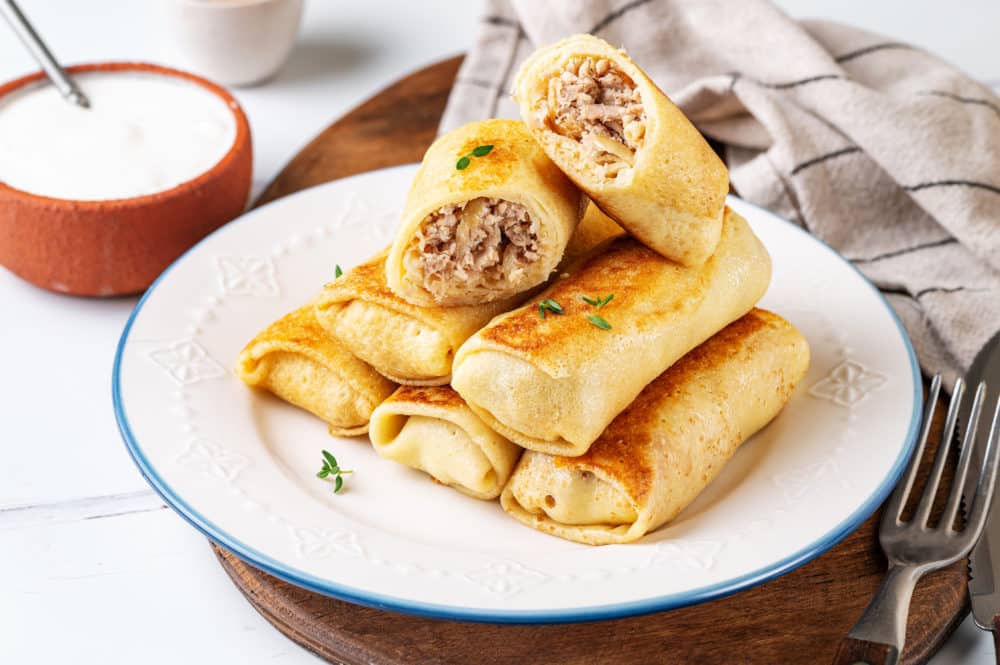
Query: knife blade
{"x": 984, "y": 562}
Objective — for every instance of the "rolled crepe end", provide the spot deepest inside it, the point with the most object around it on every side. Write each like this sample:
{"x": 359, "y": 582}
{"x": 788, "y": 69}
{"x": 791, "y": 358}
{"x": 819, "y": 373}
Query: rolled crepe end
{"x": 553, "y": 446}
{"x": 296, "y": 360}
{"x": 432, "y": 430}
{"x": 532, "y": 387}
{"x": 360, "y": 430}
{"x": 578, "y": 503}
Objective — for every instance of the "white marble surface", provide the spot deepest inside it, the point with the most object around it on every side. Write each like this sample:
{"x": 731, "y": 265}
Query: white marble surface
{"x": 92, "y": 567}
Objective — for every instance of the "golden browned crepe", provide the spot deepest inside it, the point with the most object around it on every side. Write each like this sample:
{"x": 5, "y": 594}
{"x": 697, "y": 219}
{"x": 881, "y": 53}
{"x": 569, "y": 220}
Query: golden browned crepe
{"x": 669, "y": 444}
{"x": 553, "y": 384}
{"x": 416, "y": 345}
{"x": 486, "y": 232}
{"x": 618, "y": 137}
{"x": 295, "y": 359}
{"x": 431, "y": 429}
{"x": 409, "y": 344}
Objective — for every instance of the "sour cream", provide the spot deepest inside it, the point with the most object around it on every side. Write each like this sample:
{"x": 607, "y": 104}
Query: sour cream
{"x": 143, "y": 133}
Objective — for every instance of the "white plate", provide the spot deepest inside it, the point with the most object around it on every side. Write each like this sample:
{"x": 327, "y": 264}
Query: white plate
{"x": 240, "y": 465}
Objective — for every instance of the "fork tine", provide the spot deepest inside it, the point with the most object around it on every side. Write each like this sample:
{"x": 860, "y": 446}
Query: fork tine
{"x": 987, "y": 480}
{"x": 964, "y": 461}
{"x": 923, "y": 512}
{"x": 894, "y": 507}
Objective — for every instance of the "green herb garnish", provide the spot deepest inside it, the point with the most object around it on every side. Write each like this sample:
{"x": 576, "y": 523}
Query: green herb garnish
{"x": 599, "y": 302}
{"x": 466, "y": 159}
{"x": 331, "y": 468}
{"x": 549, "y": 305}
{"x": 337, "y": 272}
{"x": 599, "y": 322}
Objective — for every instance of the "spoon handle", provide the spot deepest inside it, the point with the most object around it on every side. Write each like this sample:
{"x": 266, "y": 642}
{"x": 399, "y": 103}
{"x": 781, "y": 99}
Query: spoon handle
{"x": 67, "y": 88}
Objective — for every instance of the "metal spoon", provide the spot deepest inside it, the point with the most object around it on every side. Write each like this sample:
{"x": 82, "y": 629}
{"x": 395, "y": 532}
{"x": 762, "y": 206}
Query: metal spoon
{"x": 64, "y": 84}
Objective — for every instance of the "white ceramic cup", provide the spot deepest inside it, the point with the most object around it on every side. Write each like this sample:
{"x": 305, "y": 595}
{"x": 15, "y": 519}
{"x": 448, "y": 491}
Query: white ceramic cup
{"x": 234, "y": 42}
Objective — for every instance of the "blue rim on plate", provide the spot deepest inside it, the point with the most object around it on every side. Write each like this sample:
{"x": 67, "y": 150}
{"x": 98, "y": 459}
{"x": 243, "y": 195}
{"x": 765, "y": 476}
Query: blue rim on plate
{"x": 600, "y": 612}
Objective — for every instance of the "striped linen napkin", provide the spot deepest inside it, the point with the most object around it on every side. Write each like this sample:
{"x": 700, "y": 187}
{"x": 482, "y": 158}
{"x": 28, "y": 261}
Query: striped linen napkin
{"x": 878, "y": 148}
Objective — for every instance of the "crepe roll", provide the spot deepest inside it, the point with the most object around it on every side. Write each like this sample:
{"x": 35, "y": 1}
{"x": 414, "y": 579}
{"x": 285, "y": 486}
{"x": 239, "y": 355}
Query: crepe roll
{"x": 488, "y": 216}
{"x": 295, "y": 359}
{"x": 552, "y": 381}
{"x": 431, "y": 429}
{"x": 408, "y": 344}
{"x": 622, "y": 141}
{"x": 670, "y": 443}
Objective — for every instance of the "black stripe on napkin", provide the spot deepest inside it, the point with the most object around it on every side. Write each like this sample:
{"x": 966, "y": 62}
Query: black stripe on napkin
{"x": 507, "y": 72}
{"x": 953, "y": 183}
{"x": 964, "y": 100}
{"x": 500, "y": 20}
{"x": 930, "y": 289}
{"x": 906, "y": 250}
{"x": 872, "y": 49}
{"x": 944, "y": 289}
{"x": 617, "y": 14}
{"x": 822, "y": 158}
{"x": 477, "y": 83}
{"x": 737, "y": 76}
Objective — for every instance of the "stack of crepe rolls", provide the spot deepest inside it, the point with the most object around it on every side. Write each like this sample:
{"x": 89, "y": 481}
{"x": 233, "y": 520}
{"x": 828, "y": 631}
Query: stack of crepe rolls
{"x": 414, "y": 345}
{"x": 624, "y": 143}
{"x": 553, "y": 384}
{"x": 488, "y": 216}
{"x": 296, "y": 359}
{"x": 516, "y": 317}
{"x": 670, "y": 443}
{"x": 431, "y": 429}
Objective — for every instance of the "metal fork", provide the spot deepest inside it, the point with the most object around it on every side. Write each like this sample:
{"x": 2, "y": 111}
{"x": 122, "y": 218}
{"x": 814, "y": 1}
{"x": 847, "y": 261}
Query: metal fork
{"x": 914, "y": 548}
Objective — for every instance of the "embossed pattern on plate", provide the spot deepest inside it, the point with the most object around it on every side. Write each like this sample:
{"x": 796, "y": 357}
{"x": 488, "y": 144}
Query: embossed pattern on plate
{"x": 240, "y": 465}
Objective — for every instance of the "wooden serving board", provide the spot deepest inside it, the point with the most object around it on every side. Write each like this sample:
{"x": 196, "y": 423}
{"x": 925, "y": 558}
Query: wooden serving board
{"x": 797, "y": 618}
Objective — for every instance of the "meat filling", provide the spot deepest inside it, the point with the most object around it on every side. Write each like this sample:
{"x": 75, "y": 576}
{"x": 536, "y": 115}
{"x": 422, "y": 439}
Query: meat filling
{"x": 485, "y": 243}
{"x": 599, "y": 106}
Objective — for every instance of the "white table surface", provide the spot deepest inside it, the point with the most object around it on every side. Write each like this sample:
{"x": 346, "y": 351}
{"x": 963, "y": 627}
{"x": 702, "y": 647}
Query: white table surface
{"x": 93, "y": 568}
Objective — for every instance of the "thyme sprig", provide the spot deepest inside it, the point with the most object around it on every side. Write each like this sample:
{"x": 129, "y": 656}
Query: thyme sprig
{"x": 332, "y": 468}
{"x": 466, "y": 159}
{"x": 599, "y": 302}
{"x": 599, "y": 321}
{"x": 549, "y": 305}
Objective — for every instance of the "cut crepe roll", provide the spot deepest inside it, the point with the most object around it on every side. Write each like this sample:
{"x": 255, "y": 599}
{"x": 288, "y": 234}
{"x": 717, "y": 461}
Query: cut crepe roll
{"x": 553, "y": 383}
{"x": 669, "y": 444}
{"x": 485, "y": 232}
{"x": 295, "y": 359}
{"x": 431, "y": 429}
{"x": 415, "y": 345}
{"x": 409, "y": 344}
{"x": 618, "y": 137}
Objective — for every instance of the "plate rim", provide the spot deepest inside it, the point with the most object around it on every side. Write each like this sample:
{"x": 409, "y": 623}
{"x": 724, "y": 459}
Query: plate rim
{"x": 351, "y": 594}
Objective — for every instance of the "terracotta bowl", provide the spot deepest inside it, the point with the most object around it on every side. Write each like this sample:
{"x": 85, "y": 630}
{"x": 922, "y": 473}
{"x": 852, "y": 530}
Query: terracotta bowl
{"x": 117, "y": 247}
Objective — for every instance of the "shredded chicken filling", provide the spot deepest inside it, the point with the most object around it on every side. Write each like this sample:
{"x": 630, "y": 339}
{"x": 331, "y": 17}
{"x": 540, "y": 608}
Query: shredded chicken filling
{"x": 485, "y": 243}
{"x": 598, "y": 105}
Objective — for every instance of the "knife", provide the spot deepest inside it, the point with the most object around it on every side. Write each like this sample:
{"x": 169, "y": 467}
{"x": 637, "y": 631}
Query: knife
{"x": 984, "y": 562}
